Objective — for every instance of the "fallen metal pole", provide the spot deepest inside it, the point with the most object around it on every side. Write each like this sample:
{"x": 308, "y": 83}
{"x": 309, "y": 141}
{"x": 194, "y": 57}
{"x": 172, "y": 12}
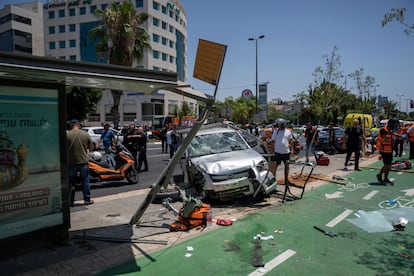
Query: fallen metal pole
{"x": 118, "y": 240}
{"x": 167, "y": 173}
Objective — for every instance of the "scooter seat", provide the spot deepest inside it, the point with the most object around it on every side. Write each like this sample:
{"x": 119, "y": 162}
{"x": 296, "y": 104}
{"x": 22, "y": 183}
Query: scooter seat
{"x": 102, "y": 163}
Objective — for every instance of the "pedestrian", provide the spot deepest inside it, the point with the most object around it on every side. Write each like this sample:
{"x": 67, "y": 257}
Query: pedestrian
{"x": 130, "y": 141}
{"x": 172, "y": 140}
{"x": 332, "y": 139}
{"x": 163, "y": 135}
{"x": 399, "y": 141}
{"x": 282, "y": 144}
{"x": 78, "y": 144}
{"x": 410, "y": 133}
{"x": 108, "y": 138}
{"x": 142, "y": 149}
{"x": 385, "y": 146}
{"x": 311, "y": 136}
{"x": 354, "y": 138}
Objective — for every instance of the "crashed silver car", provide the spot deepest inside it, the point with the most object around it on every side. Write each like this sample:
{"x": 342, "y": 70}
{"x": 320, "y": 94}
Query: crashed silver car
{"x": 221, "y": 165}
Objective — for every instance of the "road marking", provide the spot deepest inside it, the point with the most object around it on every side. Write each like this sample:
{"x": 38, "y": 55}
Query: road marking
{"x": 370, "y": 195}
{"x": 273, "y": 263}
{"x": 339, "y": 218}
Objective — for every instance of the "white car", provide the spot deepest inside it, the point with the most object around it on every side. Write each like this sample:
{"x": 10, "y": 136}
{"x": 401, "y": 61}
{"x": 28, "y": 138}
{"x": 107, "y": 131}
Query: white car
{"x": 221, "y": 165}
{"x": 96, "y": 132}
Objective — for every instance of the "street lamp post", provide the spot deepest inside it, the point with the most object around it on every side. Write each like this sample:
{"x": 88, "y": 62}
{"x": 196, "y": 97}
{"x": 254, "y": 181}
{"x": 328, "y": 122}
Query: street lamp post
{"x": 256, "y": 39}
{"x": 399, "y": 105}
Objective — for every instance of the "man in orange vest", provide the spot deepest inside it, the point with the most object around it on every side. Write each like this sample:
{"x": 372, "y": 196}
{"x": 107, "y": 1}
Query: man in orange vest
{"x": 385, "y": 145}
{"x": 410, "y": 133}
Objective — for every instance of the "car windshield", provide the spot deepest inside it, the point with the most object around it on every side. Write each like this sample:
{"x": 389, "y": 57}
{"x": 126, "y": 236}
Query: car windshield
{"x": 215, "y": 143}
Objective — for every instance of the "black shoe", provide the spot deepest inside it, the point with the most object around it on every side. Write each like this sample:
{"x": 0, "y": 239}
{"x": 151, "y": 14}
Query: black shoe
{"x": 388, "y": 181}
{"x": 357, "y": 169}
{"x": 144, "y": 170}
{"x": 88, "y": 202}
{"x": 379, "y": 178}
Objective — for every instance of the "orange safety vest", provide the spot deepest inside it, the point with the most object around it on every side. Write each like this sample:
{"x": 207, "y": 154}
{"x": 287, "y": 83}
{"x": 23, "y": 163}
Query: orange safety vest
{"x": 400, "y": 132}
{"x": 411, "y": 134}
{"x": 385, "y": 143}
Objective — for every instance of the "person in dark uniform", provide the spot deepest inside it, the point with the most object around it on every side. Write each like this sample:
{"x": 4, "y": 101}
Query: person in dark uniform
{"x": 354, "y": 139}
{"x": 130, "y": 141}
{"x": 142, "y": 149}
{"x": 164, "y": 139}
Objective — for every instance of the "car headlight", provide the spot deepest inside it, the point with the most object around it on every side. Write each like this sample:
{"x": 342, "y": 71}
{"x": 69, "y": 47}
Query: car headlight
{"x": 262, "y": 166}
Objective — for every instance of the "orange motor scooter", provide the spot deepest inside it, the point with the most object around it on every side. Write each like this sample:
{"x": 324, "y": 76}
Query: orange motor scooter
{"x": 118, "y": 166}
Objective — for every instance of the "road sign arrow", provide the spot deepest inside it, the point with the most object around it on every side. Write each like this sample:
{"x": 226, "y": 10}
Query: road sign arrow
{"x": 409, "y": 192}
{"x": 334, "y": 195}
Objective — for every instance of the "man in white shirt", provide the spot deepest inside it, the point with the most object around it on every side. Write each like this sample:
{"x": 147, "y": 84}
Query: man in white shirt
{"x": 282, "y": 143}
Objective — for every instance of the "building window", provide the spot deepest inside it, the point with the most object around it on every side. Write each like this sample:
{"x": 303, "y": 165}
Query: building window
{"x": 171, "y": 14}
{"x": 171, "y": 29}
{"x": 72, "y": 57}
{"x": 164, "y": 56}
{"x": 92, "y": 9}
{"x": 72, "y": 43}
{"x": 52, "y": 14}
{"x": 155, "y": 5}
{"x": 104, "y": 7}
{"x": 171, "y": 44}
{"x": 72, "y": 28}
{"x": 164, "y": 9}
{"x": 62, "y": 57}
{"x": 82, "y": 10}
{"x": 156, "y": 68}
{"x": 62, "y": 44}
{"x": 61, "y": 28}
{"x": 139, "y": 3}
{"x": 52, "y": 45}
{"x": 61, "y": 13}
{"x": 155, "y": 54}
{"x": 51, "y": 30}
{"x": 155, "y": 22}
{"x": 171, "y": 59}
{"x": 164, "y": 25}
{"x": 155, "y": 38}
{"x": 164, "y": 41}
{"x": 72, "y": 12}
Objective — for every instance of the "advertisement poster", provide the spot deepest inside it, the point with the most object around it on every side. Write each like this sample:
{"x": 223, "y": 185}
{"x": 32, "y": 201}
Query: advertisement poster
{"x": 30, "y": 180}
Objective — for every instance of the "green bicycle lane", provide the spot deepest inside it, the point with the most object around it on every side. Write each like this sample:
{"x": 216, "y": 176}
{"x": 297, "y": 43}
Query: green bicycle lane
{"x": 297, "y": 247}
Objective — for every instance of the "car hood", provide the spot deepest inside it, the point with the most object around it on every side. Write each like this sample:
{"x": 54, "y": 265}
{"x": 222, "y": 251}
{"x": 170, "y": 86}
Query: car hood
{"x": 228, "y": 162}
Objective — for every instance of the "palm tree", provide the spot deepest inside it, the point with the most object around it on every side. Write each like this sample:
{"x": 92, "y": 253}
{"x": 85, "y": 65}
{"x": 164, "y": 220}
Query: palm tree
{"x": 121, "y": 40}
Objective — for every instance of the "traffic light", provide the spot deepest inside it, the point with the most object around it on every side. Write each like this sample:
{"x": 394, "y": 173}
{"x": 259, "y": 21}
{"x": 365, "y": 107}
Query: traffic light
{"x": 412, "y": 104}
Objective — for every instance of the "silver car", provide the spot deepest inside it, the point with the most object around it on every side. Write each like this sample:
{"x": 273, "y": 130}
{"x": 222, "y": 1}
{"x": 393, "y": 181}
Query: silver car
{"x": 221, "y": 165}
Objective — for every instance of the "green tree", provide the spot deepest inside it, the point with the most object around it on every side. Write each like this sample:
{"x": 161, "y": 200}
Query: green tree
{"x": 399, "y": 16}
{"x": 366, "y": 88}
{"x": 81, "y": 101}
{"x": 323, "y": 94}
{"x": 121, "y": 39}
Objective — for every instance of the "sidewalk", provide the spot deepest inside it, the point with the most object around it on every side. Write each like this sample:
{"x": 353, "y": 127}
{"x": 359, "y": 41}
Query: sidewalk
{"x": 101, "y": 237}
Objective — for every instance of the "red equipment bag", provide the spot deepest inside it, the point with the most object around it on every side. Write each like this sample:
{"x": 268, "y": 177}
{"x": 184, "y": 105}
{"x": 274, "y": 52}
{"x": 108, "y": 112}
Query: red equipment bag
{"x": 322, "y": 161}
{"x": 401, "y": 165}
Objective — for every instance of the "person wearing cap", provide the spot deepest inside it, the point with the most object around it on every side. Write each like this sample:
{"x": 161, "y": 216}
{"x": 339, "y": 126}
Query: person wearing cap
{"x": 282, "y": 143}
{"x": 108, "y": 139}
{"x": 385, "y": 145}
{"x": 78, "y": 144}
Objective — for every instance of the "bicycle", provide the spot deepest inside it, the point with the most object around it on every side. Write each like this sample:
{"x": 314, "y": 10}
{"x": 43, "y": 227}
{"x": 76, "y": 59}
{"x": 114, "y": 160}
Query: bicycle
{"x": 400, "y": 202}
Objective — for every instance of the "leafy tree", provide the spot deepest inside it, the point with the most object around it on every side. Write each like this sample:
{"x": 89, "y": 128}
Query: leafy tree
{"x": 121, "y": 39}
{"x": 323, "y": 93}
{"x": 399, "y": 16}
{"x": 81, "y": 101}
{"x": 366, "y": 89}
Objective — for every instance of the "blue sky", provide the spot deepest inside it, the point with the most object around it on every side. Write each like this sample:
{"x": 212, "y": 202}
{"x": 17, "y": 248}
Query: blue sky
{"x": 298, "y": 33}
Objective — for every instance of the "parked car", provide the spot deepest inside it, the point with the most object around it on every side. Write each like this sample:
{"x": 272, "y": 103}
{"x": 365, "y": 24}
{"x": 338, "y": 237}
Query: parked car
{"x": 221, "y": 165}
{"x": 96, "y": 132}
{"x": 323, "y": 142}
